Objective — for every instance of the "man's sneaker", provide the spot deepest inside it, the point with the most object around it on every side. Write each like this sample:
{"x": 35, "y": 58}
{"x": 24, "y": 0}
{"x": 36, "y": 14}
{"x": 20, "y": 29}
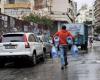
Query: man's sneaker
{"x": 62, "y": 67}
{"x": 66, "y": 64}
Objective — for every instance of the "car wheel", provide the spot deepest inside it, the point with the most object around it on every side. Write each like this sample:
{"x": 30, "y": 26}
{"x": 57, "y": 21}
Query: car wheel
{"x": 43, "y": 56}
{"x": 33, "y": 60}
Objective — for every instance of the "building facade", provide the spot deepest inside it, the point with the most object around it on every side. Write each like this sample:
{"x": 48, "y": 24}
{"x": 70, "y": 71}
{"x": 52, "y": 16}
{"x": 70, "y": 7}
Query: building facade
{"x": 97, "y": 13}
{"x": 86, "y": 15}
{"x": 62, "y": 11}
{"x": 16, "y": 8}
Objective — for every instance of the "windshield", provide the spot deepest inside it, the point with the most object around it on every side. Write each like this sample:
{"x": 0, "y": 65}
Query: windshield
{"x": 13, "y": 38}
{"x": 44, "y": 38}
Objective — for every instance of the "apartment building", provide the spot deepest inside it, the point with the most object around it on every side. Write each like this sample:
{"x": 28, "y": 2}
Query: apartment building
{"x": 16, "y": 8}
{"x": 85, "y": 14}
{"x": 62, "y": 11}
{"x": 97, "y": 13}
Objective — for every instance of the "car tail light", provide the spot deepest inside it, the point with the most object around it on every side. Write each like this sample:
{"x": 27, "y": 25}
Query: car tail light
{"x": 26, "y": 42}
{"x": 27, "y": 45}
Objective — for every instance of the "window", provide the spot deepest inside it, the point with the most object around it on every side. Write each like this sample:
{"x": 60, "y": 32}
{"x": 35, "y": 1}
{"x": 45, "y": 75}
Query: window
{"x": 37, "y": 39}
{"x": 90, "y": 10}
{"x": 11, "y": 1}
{"x": 32, "y": 38}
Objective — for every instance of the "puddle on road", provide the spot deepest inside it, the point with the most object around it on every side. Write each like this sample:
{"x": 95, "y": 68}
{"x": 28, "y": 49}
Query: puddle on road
{"x": 91, "y": 62}
{"x": 98, "y": 61}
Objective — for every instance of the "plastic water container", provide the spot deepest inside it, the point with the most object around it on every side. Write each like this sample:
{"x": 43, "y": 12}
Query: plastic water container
{"x": 69, "y": 40}
{"x": 74, "y": 51}
{"x": 56, "y": 41}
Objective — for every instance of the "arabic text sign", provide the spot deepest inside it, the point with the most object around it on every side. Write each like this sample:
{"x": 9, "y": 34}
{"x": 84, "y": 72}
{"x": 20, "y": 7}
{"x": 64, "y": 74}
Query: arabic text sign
{"x": 74, "y": 28}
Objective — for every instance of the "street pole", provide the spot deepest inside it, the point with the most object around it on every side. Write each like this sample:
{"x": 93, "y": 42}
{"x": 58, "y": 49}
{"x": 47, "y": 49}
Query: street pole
{"x": 92, "y": 21}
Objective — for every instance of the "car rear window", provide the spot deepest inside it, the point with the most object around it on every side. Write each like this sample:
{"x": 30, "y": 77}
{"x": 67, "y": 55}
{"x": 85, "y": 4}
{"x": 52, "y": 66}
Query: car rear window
{"x": 13, "y": 38}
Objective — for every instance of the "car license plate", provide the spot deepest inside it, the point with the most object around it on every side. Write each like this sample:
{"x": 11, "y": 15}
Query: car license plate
{"x": 10, "y": 47}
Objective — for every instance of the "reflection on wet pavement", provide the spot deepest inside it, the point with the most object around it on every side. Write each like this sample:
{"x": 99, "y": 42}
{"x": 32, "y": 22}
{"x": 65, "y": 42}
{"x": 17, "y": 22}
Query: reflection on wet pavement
{"x": 84, "y": 67}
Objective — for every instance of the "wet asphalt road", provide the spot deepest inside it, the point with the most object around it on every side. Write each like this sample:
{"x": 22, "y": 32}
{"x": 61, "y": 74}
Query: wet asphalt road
{"x": 85, "y": 67}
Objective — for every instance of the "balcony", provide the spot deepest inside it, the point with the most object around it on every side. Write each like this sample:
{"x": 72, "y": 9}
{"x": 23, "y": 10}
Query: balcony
{"x": 97, "y": 11}
{"x": 17, "y": 5}
{"x": 97, "y": 19}
{"x": 97, "y": 23}
{"x": 60, "y": 16}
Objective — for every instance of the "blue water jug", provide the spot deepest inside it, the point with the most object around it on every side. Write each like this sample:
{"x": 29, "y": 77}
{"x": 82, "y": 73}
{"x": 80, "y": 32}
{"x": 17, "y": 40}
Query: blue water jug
{"x": 56, "y": 40}
{"x": 69, "y": 40}
{"x": 74, "y": 50}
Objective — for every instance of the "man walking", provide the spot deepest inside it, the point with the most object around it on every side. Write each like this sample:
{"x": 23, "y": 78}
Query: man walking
{"x": 63, "y": 34}
{"x": 90, "y": 41}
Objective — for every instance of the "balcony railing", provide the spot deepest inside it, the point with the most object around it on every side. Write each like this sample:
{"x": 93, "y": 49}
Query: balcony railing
{"x": 96, "y": 3}
{"x": 18, "y": 5}
{"x": 97, "y": 11}
{"x": 61, "y": 16}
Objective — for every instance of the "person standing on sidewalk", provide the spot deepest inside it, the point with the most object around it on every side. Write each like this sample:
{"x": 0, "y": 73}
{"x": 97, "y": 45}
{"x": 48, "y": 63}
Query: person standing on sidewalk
{"x": 90, "y": 41}
{"x": 63, "y": 34}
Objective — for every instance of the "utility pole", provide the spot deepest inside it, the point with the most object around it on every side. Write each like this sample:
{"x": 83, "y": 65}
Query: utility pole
{"x": 92, "y": 21}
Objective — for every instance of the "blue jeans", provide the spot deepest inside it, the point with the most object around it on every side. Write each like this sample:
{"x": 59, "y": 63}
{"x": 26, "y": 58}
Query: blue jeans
{"x": 63, "y": 54}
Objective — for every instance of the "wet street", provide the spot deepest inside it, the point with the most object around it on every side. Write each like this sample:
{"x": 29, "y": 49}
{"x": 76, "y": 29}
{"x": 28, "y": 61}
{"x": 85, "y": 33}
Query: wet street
{"x": 85, "y": 67}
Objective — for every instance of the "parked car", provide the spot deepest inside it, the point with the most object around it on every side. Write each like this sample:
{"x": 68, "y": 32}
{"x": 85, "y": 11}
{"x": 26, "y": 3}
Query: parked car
{"x": 46, "y": 44}
{"x": 20, "y": 45}
{"x": 97, "y": 38}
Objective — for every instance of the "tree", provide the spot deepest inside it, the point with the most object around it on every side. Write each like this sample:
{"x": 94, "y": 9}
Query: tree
{"x": 44, "y": 20}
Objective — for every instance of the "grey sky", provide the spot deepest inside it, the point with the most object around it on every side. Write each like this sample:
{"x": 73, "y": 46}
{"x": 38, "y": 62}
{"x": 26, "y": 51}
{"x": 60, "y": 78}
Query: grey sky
{"x": 82, "y": 2}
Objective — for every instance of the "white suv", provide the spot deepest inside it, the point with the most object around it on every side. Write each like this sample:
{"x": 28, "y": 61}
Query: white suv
{"x": 18, "y": 45}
